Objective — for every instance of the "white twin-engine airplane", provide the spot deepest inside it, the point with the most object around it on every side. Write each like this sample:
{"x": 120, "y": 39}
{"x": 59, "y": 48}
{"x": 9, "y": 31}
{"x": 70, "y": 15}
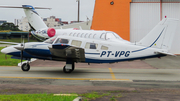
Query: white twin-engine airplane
{"x": 90, "y": 46}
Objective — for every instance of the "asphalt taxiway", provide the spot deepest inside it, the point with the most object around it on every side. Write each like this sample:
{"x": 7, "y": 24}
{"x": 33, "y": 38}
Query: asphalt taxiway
{"x": 92, "y": 74}
{"x": 161, "y": 76}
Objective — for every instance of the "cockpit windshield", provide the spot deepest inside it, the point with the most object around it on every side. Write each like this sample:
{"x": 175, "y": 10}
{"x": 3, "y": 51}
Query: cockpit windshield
{"x": 117, "y": 36}
{"x": 110, "y": 36}
{"x": 50, "y": 40}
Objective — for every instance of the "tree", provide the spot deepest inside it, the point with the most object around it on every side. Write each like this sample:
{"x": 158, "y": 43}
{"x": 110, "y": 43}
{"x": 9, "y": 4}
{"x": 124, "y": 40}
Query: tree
{"x": 9, "y": 26}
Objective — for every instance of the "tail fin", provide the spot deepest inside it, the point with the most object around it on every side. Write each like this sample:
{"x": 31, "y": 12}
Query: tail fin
{"x": 33, "y": 17}
{"x": 161, "y": 36}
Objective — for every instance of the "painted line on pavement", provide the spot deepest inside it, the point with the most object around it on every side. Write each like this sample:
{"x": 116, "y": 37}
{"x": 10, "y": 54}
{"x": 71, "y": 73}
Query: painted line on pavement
{"x": 90, "y": 79}
{"x": 112, "y": 74}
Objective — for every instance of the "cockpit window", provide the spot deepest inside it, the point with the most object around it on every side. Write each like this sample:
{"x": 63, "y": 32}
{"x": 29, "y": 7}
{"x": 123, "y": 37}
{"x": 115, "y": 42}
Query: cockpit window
{"x": 60, "y": 40}
{"x": 110, "y": 35}
{"x": 117, "y": 36}
{"x": 50, "y": 40}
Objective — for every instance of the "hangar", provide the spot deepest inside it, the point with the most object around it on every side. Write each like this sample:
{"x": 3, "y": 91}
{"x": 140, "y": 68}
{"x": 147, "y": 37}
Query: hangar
{"x": 133, "y": 19}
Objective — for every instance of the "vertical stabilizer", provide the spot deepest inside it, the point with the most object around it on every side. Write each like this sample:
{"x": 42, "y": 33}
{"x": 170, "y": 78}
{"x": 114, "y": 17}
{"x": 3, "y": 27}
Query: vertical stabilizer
{"x": 161, "y": 36}
{"x": 33, "y": 17}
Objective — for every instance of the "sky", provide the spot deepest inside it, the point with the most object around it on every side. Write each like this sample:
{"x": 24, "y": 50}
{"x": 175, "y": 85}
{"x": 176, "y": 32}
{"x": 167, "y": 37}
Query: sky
{"x": 64, "y": 9}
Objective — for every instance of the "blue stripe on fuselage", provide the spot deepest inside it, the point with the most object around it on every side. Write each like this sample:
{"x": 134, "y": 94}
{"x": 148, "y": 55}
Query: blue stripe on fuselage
{"x": 89, "y": 60}
{"x": 39, "y": 52}
{"x": 93, "y": 53}
{"x": 18, "y": 54}
{"x": 151, "y": 44}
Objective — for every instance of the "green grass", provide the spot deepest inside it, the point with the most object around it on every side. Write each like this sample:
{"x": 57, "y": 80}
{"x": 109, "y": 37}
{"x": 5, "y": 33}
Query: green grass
{"x": 51, "y": 97}
{"x": 35, "y": 97}
{"x": 113, "y": 98}
{"x": 93, "y": 95}
{"x": 7, "y": 61}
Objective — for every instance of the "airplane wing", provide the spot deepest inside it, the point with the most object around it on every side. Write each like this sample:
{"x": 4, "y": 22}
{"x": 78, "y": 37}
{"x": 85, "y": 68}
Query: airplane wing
{"x": 165, "y": 53}
{"x": 14, "y": 43}
{"x": 67, "y": 51}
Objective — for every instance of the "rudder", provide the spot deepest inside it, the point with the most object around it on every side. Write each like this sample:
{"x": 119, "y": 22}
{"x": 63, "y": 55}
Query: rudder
{"x": 33, "y": 17}
{"x": 161, "y": 36}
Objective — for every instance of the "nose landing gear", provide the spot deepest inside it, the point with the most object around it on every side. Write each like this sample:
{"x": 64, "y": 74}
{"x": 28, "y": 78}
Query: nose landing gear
{"x": 25, "y": 66}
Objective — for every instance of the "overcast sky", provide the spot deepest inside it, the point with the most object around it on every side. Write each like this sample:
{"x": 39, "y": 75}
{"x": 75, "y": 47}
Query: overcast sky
{"x": 65, "y": 9}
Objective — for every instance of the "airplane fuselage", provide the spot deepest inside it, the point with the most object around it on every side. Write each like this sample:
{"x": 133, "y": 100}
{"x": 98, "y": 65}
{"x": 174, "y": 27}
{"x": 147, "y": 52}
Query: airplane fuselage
{"x": 96, "y": 50}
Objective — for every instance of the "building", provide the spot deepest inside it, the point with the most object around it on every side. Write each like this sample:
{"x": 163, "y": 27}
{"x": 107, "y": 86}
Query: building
{"x": 133, "y": 19}
{"x": 23, "y": 24}
{"x": 52, "y": 21}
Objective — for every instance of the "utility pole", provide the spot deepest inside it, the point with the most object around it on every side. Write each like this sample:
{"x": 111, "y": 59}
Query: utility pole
{"x": 78, "y": 8}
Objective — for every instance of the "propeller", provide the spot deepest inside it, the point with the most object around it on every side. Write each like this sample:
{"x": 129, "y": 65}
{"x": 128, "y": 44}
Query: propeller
{"x": 21, "y": 48}
{"x": 22, "y": 45}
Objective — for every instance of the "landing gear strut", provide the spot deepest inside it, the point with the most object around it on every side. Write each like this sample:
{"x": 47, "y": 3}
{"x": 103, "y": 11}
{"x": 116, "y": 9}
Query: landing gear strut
{"x": 69, "y": 67}
{"x": 25, "y": 66}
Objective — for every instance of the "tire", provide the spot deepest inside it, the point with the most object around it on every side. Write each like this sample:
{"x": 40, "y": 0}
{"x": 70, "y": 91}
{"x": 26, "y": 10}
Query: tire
{"x": 68, "y": 70}
{"x": 25, "y": 67}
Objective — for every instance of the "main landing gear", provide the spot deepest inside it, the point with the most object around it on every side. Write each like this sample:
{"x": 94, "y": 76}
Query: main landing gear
{"x": 69, "y": 67}
{"x": 25, "y": 66}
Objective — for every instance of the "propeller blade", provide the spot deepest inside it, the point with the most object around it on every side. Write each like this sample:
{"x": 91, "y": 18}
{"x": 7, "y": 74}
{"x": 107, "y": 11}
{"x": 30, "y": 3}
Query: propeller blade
{"x": 21, "y": 57}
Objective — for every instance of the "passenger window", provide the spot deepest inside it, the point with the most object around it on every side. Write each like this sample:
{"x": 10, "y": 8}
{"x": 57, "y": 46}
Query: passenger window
{"x": 82, "y": 34}
{"x": 102, "y": 36}
{"x": 74, "y": 34}
{"x": 78, "y": 34}
{"x": 94, "y": 35}
{"x": 104, "y": 48}
{"x": 86, "y": 35}
{"x": 90, "y": 35}
{"x": 91, "y": 45}
{"x": 76, "y": 43}
{"x": 70, "y": 34}
{"x": 59, "y": 40}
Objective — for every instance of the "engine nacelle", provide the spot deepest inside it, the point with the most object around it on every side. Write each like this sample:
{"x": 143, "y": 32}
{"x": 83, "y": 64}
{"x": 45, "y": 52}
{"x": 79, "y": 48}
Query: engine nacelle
{"x": 51, "y": 32}
{"x": 45, "y": 33}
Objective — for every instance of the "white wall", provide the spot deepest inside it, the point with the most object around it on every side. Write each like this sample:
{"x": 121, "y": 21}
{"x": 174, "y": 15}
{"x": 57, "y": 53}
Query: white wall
{"x": 144, "y": 16}
{"x": 172, "y": 10}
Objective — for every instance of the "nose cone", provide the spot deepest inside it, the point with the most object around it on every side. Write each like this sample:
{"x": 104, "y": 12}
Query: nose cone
{"x": 4, "y": 50}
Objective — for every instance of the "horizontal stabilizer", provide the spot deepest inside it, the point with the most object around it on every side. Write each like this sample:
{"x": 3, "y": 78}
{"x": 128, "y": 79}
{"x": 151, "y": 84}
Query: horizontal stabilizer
{"x": 14, "y": 43}
{"x": 165, "y": 53}
{"x": 23, "y": 7}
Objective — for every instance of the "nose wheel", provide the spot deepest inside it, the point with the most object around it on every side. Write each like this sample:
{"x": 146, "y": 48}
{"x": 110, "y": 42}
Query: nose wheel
{"x": 25, "y": 67}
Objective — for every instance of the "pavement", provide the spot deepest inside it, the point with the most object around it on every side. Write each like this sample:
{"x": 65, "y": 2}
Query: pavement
{"x": 147, "y": 80}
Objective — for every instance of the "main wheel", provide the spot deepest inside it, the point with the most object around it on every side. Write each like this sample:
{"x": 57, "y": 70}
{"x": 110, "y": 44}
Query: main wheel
{"x": 25, "y": 67}
{"x": 68, "y": 70}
